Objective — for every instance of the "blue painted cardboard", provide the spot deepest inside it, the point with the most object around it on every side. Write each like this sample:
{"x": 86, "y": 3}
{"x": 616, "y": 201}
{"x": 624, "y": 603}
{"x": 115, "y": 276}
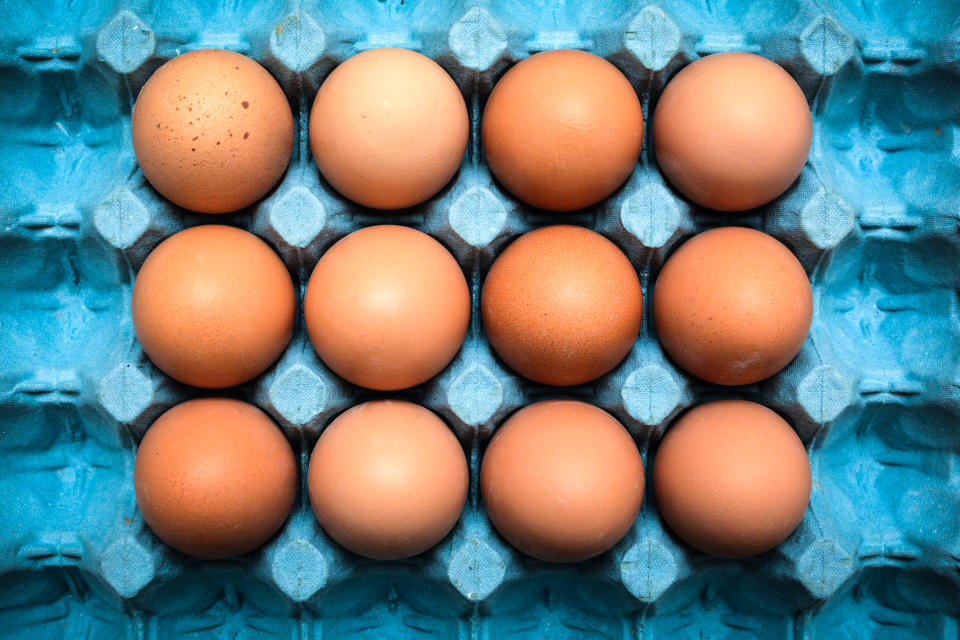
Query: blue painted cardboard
{"x": 875, "y": 393}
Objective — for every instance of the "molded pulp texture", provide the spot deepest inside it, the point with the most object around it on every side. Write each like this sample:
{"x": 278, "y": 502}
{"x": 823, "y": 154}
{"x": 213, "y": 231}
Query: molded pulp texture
{"x": 874, "y": 394}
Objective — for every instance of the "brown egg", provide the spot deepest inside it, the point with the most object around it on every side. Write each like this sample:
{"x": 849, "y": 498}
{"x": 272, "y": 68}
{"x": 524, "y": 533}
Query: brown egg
{"x": 732, "y": 306}
{"x": 214, "y": 477}
{"x": 213, "y": 306}
{"x": 387, "y": 479}
{"x": 562, "y": 480}
{"x": 562, "y": 305}
{"x": 732, "y": 478}
{"x": 387, "y": 307}
{"x": 732, "y": 131}
{"x": 212, "y": 131}
{"x": 562, "y": 130}
{"x": 388, "y": 128}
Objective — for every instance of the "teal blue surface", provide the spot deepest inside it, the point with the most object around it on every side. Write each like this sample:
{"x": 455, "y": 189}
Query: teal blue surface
{"x": 874, "y": 394}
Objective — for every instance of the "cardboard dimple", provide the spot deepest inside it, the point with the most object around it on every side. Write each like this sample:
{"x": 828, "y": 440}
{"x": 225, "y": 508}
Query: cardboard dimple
{"x": 873, "y": 393}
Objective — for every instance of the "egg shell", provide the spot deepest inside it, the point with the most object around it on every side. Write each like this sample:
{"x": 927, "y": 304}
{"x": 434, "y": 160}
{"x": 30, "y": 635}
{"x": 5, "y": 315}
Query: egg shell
{"x": 562, "y": 305}
{"x": 387, "y": 479}
{"x": 387, "y": 307}
{"x": 388, "y": 128}
{"x": 732, "y": 131}
{"x": 562, "y": 480}
{"x": 213, "y": 306}
{"x": 562, "y": 130}
{"x": 732, "y": 305}
{"x": 212, "y": 131}
{"x": 214, "y": 477}
{"x": 732, "y": 478}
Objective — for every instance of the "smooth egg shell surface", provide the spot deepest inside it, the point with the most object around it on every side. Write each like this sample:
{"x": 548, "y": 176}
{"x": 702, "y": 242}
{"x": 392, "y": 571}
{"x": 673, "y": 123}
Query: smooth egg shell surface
{"x": 388, "y": 128}
{"x": 213, "y": 306}
{"x": 214, "y": 477}
{"x": 562, "y": 130}
{"x": 387, "y": 307}
{"x": 732, "y": 478}
{"x": 212, "y": 131}
{"x": 732, "y": 131}
{"x": 732, "y": 306}
{"x": 562, "y": 305}
{"x": 562, "y": 480}
{"x": 387, "y": 479}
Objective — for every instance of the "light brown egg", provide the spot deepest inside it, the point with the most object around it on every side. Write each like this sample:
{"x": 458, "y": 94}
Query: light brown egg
{"x": 732, "y": 478}
{"x": 213, "y": 306}
{"x": 562, "y": 305}
{"x": 214, "y": 477}
{"x": 387, "y": 307}
{"x": 212, "y": 131}
{"x": 562, "y": 480}
{"x": 387, "y": 479}
{"x": 732, "y": 131}
{"x": 562, "y": 129}
{"x": 732, "y": 306}
{"x": 388, "y": 128}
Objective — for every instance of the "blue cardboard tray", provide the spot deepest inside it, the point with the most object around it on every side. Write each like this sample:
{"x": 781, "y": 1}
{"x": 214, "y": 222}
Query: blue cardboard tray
{"x": 875, "y": 393}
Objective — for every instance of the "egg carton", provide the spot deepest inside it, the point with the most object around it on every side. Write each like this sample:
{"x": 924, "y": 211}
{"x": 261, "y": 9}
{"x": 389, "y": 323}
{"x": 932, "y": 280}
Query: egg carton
{"x": 874, "y": 394}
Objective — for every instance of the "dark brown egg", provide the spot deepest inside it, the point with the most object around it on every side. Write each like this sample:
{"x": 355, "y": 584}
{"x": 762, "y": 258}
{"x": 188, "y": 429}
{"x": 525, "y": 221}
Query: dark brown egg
{"x": 562, "y": 305}
{"x": 214, "y": 477}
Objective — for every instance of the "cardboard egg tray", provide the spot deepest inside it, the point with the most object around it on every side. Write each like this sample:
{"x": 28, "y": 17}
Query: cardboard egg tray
{"x": 874, "y": 394}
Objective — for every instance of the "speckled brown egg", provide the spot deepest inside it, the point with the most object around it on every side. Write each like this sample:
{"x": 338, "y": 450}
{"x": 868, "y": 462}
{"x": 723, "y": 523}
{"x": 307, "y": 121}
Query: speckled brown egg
{"x": 212, "y": 131}
{"x": 388, "y": 128}
{"x": 387, "y": 479}
{"x": 387, "y": 307}
{"x": 732, "y": 478}
{"x": 562, "y": 129}
{"x": 562, "y": 305}
{"x": 213, "y": 306}
{"x": 732, "y": 306}
{"x": 732, "y": 131}
{"x": 214, "y": 477}
{"x": 562, "y": 480}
